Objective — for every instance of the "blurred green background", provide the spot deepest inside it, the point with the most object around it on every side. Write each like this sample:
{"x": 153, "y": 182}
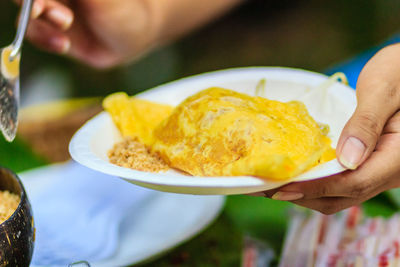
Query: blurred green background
{"x": 309, "y": 34}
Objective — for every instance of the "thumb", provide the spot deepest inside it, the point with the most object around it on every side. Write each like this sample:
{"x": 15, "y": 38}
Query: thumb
{"x": 361, "y": 133}
{"x": 378, "y": 98}
{"x": 358, "y": 139}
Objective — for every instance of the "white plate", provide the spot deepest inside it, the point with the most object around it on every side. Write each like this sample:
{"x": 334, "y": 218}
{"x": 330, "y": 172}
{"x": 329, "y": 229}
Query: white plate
{"x": 159, "y": 227}
{"x": 90, "y": 144}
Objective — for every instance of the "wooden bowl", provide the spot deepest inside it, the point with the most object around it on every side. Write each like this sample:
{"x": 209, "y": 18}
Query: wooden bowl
{"x": 17, "y": 233}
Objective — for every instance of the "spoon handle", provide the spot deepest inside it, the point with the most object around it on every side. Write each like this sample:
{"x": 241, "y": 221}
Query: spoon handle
{"x": 22, "y": 26}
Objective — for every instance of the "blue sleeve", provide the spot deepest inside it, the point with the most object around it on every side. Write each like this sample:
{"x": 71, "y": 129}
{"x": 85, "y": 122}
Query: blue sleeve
{"x": 353, "y": 66}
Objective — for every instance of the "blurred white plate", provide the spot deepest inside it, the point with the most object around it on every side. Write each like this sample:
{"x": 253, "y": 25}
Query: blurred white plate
{"x": 90, "y": 144}
{"x": 160, "y": 226}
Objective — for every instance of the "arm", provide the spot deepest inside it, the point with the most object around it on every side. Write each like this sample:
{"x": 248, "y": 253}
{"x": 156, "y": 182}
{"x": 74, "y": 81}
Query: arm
{"x": 181, "y": 16}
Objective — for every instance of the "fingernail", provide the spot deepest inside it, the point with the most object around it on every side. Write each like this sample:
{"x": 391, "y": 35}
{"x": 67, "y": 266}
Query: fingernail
{"x": 287, "y": 196}
{"x": 61, "y": 45}
{"x": 36, "y": 10}
{"x": 352, "y": 153}
{"x": 61, "y": 17}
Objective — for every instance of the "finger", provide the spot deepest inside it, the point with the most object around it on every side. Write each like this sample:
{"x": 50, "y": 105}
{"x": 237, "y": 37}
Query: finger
{"x": 340, "y": 185}
{"x": 37, "y": 7}
{"x": 53, "y": 11}
{"x": 86, "y": 47}
{"x": 393, "y": 125}
{"x": 58, "y": 15}
{"x": 47, "y": 37}
{"x": 327, "y": 205}
{"x": 331, "y": 205}
{"x": 378, "y": 99}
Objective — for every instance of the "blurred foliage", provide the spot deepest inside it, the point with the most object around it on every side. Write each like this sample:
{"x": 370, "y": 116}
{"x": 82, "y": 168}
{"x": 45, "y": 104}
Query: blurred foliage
{"x": 17, "y": 156}
{"x": 394, "y": 196}
{"x": 379, "y": 206}
{"x": 259, "y": 217}
{"x": 219, "y": 245}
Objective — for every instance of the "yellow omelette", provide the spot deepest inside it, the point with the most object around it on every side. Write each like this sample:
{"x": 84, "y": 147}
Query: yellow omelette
{"x": 219, "y": 132}
{"x": 135, "y": 117}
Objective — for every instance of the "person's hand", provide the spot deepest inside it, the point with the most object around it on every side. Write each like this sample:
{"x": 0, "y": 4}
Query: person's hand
{"x": 104, "y": 33}
{"x": 101, "y": 33}
{"x": 369, "y": 145}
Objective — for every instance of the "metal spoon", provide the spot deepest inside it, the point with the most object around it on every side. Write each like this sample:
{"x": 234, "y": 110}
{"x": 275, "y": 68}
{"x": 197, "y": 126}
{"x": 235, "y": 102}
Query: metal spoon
{"x": 9, "y": 76}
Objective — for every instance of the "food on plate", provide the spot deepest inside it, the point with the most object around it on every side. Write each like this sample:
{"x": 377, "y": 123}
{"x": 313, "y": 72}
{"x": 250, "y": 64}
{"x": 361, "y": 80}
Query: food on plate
{"x": 131, "y": 153}
{"x": 136, "y": 117}
{"x": 219, "y": 132}
{"x": 8, "y": 204}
